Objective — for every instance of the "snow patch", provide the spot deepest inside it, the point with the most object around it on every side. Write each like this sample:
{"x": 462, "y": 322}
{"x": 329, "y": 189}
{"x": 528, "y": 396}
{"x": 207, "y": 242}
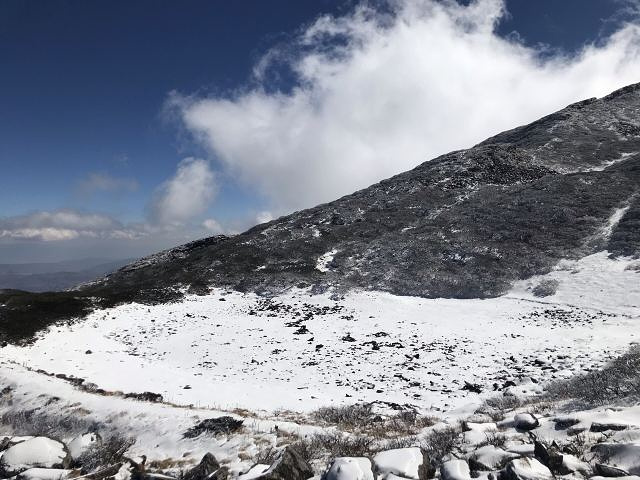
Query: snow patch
{"x": 324, "y": 260}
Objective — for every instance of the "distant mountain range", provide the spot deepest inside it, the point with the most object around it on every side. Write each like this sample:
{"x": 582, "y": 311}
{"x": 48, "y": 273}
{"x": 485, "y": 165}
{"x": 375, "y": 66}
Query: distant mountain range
{"x": 464, "y": 225}
{"x": 42, "y": 277}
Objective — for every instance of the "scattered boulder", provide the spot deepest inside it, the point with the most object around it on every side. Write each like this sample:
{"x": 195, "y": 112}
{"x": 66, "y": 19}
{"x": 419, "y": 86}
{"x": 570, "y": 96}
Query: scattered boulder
{"x": 597, "y": 427}
{"x": 207, "y": 466}
{"x": 288, "y": 466}
{"x": 455, "y": 470}
{"x": 349, "y": 468}
{"x": 37, "y": 452}
{"x": 609, "y": 471}
{"x": 404, "y": 462}
{"x": 548, "y": 456}
{"x": 216, "y": 426}
{"x": 526, "y": 469}
{"x": 525, "y": 421}
{"x": 145, "y": 397}
{"x": 564, "y": 422}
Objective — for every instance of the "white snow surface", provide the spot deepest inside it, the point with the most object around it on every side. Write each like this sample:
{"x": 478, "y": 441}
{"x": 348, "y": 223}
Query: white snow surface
{"x": 350, "y": 468}
{"x": 78, "y": 445}
{"x": 207, "y": 356}
{"x": 455, "y": 469}
{"x": 403, "y": 462}
{"x": 324, "y": 260}
{"x": 44, "y": 474}
{"x": 368, "y": 346}
{"x": 36, "y": 452}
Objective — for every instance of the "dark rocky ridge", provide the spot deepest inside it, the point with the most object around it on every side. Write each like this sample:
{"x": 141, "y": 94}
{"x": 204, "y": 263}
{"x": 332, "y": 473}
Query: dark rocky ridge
{"x": 466, "y": 224}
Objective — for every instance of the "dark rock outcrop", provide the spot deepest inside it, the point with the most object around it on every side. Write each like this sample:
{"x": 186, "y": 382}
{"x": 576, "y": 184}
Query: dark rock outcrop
{"x": 208, "y": 468}
{"x": 288, "y": 466}
{"x": 214, "y": 426}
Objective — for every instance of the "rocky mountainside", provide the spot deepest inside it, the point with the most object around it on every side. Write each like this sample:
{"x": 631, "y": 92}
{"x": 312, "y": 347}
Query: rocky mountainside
{"x": 466, "y": 224}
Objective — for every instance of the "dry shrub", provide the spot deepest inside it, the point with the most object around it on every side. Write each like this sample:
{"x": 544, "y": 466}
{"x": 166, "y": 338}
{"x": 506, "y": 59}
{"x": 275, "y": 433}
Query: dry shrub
{"x": 111, "y": 451}
{"x": 331, "y": 445}
{"x": 619, "y": 379}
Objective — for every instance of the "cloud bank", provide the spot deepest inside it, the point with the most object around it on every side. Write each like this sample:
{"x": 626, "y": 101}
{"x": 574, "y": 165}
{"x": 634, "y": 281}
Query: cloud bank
{"x": 379, "y": 91}
{"x": 64, "y": 224}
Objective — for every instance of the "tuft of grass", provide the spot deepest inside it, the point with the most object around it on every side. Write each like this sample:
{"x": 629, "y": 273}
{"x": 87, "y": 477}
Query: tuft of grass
{"x": 493, "y": 438}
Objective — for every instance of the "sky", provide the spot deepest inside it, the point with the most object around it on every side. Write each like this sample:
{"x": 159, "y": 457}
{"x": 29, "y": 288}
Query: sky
{"x": 131, "y": 126}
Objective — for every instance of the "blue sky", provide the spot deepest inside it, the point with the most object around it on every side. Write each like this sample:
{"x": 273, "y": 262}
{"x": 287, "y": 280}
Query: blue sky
{"x": 129, "y": 126}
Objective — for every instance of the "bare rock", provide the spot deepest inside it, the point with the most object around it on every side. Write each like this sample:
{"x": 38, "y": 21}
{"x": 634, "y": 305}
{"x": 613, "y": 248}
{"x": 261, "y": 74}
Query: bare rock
{"x": 288, "y": 466}
{"x": 525, "y": 421}
{"x": 207, "y": 466}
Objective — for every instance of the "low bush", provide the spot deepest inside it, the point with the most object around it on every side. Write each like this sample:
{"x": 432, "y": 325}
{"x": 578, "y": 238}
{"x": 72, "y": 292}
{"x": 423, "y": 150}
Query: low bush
{"x": 619, "y": 379}
{"x": 546, "y": 288}
{"x": 331, "y": 445}
{"x": 106, "y": 453}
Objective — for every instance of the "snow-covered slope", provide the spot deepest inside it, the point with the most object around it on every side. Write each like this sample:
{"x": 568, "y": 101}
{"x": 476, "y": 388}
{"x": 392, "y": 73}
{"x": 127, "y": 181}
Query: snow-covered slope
{"x": 300, "y": 351}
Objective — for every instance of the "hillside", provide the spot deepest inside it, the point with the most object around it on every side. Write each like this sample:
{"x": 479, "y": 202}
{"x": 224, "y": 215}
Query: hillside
{"x": 464, "y": 225}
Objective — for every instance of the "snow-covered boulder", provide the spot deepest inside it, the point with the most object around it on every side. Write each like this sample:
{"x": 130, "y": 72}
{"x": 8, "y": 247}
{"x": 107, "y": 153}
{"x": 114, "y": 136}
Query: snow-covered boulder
{"x": 7, "y": 442}
{"x": 44, "y": 474}
{"x": 572, "y": 464}
{"x": 519, "y": 447}
{"x": 490, "y": 458}
{"x": 82, "y": 443}
{"x": 526, "y": 469}
{"x": 38, "y": 452}
{"x": 349, "y": 468}
{"x": 455, "y": 470}
{"x": 525, "y": 421}
{"x": 625, "y": 456}
{"x": 404, "y": 462}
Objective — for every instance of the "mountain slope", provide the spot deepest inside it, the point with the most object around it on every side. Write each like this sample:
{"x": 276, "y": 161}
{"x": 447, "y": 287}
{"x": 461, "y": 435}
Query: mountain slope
{"x": 466, "y": 224}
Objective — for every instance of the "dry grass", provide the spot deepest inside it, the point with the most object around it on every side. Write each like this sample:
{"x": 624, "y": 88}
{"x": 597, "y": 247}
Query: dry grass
{"x": 361, "y": 419}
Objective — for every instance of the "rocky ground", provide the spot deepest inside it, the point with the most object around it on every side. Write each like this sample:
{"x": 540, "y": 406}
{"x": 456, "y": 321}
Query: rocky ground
{"x": 565, "y": 431}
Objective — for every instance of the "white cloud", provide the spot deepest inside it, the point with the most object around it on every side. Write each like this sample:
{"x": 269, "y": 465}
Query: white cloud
{"x": 66, "y": 225}
{"x": 103, "y": 182}
{"x": 379, "y": 93}
{"x": 213, "y": 226}
{"x": 263, "y": 217}
{"x": 186, "y": 195}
